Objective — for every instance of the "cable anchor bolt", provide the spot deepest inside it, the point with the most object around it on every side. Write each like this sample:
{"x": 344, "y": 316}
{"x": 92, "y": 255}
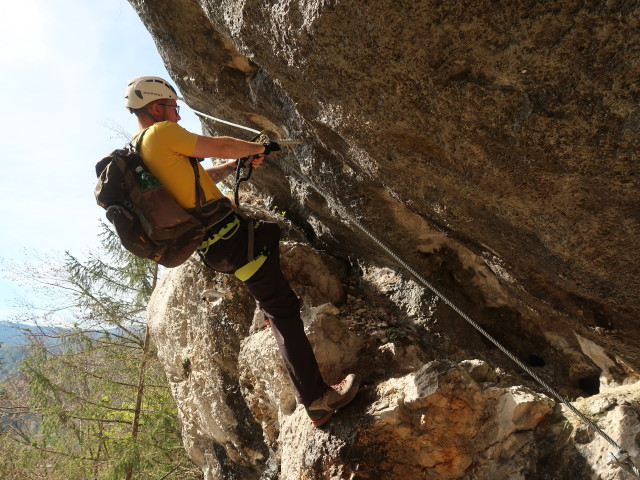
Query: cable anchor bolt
{"x": 622, "y": 460}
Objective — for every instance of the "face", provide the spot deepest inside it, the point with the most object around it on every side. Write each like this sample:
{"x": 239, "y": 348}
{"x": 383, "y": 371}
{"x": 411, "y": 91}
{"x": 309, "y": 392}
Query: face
{"x": 166, "y": 110}
{"x": 171, "y": 111}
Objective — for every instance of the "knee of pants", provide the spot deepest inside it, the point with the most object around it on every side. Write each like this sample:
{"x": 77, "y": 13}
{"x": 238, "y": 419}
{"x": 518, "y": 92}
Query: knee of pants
{"x": 282, "y": 307}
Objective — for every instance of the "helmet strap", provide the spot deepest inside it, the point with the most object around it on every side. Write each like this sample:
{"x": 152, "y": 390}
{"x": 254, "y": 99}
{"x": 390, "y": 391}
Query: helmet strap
{"x": 148, "y": 114}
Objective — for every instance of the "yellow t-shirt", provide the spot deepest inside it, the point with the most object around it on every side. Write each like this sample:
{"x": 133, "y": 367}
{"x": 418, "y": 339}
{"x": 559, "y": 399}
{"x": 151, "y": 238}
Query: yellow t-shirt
{"x": 165, "y": 149}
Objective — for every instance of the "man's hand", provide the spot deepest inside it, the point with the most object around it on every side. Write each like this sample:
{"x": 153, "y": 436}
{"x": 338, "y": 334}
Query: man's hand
{"x": 255, "y": 161}
{"x": 271, "y": 149}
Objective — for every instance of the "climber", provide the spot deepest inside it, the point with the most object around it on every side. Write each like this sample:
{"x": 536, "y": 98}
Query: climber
{"x": 165, "y": 149}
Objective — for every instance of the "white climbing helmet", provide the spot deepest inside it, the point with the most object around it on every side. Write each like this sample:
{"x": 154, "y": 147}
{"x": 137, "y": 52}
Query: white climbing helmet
{"x": 143, "y": 90}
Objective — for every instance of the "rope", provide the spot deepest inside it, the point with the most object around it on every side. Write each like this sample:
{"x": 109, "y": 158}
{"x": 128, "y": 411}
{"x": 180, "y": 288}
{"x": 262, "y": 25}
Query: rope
{"x": 620, "y": 459}
{"x": 219, "y": 120}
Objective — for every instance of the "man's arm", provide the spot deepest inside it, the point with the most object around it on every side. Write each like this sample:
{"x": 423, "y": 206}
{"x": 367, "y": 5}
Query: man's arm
{"x": 220, "y": 172}
{"x": 228, "y": 147}
{"x": 225, "y": 147}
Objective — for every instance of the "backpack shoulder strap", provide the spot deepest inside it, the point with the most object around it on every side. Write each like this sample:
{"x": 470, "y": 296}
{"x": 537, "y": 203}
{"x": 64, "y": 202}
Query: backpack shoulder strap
{"x": 138, "y": 144}
{"x": 199, "y": 191}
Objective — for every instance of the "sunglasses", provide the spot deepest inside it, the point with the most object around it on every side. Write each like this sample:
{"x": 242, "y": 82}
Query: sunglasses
{"x": 172, "y": 106}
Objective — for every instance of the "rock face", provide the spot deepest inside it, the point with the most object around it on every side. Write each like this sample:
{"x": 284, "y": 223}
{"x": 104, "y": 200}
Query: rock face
{"x": 486, "y": 144}
{"x": 492, "y": 147}
{"x": 415, "y": 416}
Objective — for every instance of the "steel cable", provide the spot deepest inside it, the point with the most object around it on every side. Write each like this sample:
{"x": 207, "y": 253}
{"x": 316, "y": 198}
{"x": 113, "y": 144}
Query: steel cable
{"x": 620, "y": 458}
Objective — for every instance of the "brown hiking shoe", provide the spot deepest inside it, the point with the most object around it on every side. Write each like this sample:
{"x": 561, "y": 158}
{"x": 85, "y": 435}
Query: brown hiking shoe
{"x": 337, "y": 396}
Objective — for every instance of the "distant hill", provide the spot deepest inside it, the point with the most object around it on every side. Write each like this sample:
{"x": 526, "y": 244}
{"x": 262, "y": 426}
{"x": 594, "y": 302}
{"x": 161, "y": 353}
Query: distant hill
{"x": 13, "y": 341}
{"x": 12, "y": 333}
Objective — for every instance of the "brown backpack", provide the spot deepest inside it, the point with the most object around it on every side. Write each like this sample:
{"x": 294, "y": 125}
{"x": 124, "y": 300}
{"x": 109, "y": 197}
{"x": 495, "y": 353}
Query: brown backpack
{"x": 148, "y": 220}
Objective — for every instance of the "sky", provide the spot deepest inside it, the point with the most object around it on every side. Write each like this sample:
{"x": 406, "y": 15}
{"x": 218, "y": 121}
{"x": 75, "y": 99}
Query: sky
{"x": 65, "y": 65}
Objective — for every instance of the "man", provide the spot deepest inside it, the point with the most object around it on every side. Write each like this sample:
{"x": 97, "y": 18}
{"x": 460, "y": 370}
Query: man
{"x": 165, "y": 149}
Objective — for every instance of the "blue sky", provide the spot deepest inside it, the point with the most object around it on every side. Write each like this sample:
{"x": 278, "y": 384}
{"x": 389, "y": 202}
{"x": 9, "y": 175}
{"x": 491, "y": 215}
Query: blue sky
{"x": 65, "y": 65}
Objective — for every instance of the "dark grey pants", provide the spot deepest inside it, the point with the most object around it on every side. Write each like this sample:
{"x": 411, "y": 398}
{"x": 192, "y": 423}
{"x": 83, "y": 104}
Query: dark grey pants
{"x": 277, "y": 300}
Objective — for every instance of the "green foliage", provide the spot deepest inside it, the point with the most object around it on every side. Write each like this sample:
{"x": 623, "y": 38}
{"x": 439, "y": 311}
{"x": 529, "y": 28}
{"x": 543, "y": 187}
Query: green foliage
{"x": 92, "y": 401}
{"x": 10, "y": 357}
{"x": 277, "y": 209}
{"x": 111, "y": 290}
{"x": 396, "y": 333}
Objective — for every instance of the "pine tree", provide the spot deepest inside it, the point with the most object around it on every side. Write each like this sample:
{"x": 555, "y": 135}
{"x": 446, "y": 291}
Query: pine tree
{"x": 96, "y": 391}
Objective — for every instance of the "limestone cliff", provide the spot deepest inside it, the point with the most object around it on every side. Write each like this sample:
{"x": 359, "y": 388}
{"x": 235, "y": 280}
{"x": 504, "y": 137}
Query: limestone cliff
{"x": 419, "y": 414}
{"x": 493, "y": 147}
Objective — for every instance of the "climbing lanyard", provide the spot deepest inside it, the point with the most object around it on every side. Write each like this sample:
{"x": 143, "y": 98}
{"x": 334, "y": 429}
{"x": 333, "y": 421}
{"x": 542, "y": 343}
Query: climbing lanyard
{"x": 619, "y": 459}
{"x": 242, "y": 162}
{"x": 261, "y": 136}
{"x": 248, "y": 162}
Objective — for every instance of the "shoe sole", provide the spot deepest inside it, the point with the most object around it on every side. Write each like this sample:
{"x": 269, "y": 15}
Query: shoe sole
{"x": 321, "y": 421}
